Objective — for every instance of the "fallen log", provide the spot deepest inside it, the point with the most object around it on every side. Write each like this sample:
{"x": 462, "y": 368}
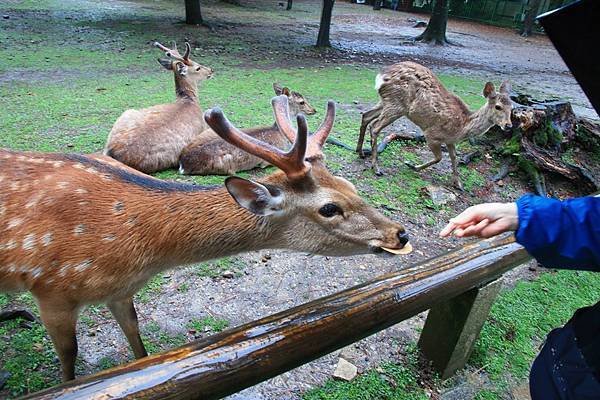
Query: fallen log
{"x": 235, "y": 359}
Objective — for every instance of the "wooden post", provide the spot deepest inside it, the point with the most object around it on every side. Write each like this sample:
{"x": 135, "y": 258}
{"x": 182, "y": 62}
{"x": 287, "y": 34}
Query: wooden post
{"x": 452, "y": 327}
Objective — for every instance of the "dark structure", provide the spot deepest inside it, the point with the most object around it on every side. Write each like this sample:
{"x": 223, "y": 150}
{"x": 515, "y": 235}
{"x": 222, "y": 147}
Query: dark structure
{"x": 325, "y": 25}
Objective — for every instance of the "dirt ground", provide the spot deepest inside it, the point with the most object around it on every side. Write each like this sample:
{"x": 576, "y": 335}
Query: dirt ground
{"x": 272, "y": 281}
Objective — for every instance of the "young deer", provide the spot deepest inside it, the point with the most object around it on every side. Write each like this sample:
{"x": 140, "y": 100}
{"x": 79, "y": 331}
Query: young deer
{"x": 211, "y": 155}
{"x": 76, "y": 230}
{"x": 151, "y": 139}
{"x": 410, "y": 90}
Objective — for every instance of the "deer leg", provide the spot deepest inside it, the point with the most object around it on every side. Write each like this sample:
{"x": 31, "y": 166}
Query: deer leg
{"x": 436, "y": 149}
{"x": 455, "y": 178}
{"x": 384, "y": 120}
{"x": 124, "y": 313}
{"x": 60, "y": 321}
{"x": 367, "y": 118}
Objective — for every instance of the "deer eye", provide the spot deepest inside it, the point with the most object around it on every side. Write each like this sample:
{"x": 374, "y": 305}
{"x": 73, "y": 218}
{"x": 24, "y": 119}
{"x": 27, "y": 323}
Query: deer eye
{"x": 498, "y": 107}
{"x": 302, "y": 102}
{"x": 330, "y": 210}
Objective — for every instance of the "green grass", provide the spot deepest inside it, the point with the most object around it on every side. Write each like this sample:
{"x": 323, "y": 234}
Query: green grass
{"x": 215, "y": 269}
{"x": 389, "y": 381}
{"x": 156, "y": 339}
{"x": 213, "y": 324}
{"x": 151, "y": 289}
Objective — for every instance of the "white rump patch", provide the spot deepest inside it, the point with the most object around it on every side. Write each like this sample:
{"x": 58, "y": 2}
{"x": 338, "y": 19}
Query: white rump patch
{"x": 379, "y": 81}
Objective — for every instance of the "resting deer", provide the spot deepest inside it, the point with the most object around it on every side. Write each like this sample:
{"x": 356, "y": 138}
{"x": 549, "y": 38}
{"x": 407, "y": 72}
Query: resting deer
{"x": 151, "y": 139}
{"x": 75, "y": 230}
{"x": 410, "y": 90}
{"x": 210, "y": 155}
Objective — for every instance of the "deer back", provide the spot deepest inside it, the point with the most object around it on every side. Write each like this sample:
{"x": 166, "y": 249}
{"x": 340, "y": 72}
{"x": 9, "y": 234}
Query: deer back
{"x": 210, "y": 155}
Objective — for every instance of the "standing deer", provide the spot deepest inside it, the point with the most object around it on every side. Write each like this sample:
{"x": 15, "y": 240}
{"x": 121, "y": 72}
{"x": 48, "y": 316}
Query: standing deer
{"x": 151, "y": 139}
{"x": 408, "y": 89}
{"x": 75, "y": 230}
{"x": 211, "y": 155}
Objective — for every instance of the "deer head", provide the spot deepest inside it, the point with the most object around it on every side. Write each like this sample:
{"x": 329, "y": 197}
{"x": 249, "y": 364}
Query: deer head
{"x": 183, "y": 66}
{"x": 499, "y": 105}
{"x": 311, "y": 209}
{"x": 297, "y": 103}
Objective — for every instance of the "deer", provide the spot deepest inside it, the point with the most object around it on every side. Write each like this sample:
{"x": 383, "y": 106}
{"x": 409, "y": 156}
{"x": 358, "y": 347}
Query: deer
{"x": 408, "y": 89}
{"x": 76, "y": 230}
{"x": 210, "y": 155}
{"x": 151, "y": 139}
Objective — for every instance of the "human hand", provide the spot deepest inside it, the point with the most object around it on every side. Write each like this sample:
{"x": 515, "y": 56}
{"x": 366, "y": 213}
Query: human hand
{"x": 484, "y": 220}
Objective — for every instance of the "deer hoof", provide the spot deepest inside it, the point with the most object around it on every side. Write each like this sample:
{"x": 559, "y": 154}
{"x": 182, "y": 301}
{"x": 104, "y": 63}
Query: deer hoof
{"x": 411, "y": 165}
{"x": 458, "y": 185}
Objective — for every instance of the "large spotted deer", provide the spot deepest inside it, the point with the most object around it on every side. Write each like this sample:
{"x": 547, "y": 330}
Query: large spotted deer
{"x": 408, "y": 89}
{"x": 211, "y": 155}
{"x": 76, "y": 230}
{"x": 151, "y": 139}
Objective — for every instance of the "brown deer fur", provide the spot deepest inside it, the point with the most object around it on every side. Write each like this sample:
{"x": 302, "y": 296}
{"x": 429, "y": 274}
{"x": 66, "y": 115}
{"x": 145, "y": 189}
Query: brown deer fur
{"x": 151, "y": 139}
{"x": 410, "y": 90}
{"x": 210, "y": 155}
{"x": 76, "y": 230}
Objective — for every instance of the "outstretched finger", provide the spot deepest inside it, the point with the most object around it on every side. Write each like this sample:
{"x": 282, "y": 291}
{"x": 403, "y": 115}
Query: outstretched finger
{"x": 475, "y": 230}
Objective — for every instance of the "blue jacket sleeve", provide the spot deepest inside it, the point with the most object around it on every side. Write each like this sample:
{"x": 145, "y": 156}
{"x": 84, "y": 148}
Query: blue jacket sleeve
{"x": 561, "y": 234}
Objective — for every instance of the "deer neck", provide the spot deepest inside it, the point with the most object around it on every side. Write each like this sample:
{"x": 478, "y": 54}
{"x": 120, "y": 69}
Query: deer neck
{"x": 185, "y": 90}
{"x": 203, "y": 225}
{"x": 477, "y": 123}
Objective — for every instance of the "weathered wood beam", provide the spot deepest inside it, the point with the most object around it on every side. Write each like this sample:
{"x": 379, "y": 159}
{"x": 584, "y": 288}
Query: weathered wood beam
{"x": 240, "y": 357}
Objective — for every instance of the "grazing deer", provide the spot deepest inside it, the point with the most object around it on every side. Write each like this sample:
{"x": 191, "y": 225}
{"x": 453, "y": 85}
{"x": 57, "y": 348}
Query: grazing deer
{"x": 211, "y": 155}
{"x": 410, "y": 90}
{"x": 75, "y": 230}
{"x": 151, "y": 139}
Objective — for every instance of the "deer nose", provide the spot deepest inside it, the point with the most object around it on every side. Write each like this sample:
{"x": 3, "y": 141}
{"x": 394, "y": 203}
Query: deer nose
{"x": 403, "y": 237}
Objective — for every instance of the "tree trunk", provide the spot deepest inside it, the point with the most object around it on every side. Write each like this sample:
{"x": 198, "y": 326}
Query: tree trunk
{"x": 193, "y": 16}
{"x": 377, "y": 4}
{"x": 532, "y": 10}
{"x": 323, "y": 38}
{"x": 436, "y": 28}
{"x": 289, "y": 5}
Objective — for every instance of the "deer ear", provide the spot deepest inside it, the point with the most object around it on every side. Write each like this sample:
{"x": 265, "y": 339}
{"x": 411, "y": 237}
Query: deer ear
{"x": 254, "y": 197}
{"x": 505, "y": 87}
{"x": 165, "y": 63}
{"x": 489, "y": 90}
{"x": 286, "y": 91}
{"x": 182, "y": 69}
{"x": 277, "y": 88}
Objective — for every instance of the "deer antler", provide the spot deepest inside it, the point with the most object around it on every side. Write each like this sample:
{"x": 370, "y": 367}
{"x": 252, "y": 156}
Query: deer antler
{"x": 174, "y": 53}
{"x": 292, "y": 162}
{"x": 317, "y": 139}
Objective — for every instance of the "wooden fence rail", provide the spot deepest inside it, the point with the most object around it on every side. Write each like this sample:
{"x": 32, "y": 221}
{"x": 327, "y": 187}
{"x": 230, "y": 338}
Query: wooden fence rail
{"x": 240, "y": 357}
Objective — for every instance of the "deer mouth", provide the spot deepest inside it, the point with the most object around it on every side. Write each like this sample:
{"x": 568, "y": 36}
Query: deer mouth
{"x": 406, "y": 249}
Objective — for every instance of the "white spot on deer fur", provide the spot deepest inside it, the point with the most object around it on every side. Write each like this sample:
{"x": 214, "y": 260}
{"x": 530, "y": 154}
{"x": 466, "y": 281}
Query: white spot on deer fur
{"x": 36, "y": 160}
{"x": 92, "y": 170}
{"x": 2, "y": 209}
{"x": 14, "y": 186}
{"x": 10, "y": 245}
{"x": 79, "y": 166}
{"x": 12, "y": 268}
{"x": 34, "y": 199}
{"x": 1, "y": 178}
{"x": 36, "y": 272}
{"x": 62, "y": 185}
{"x": 29, "y": 241}
{"x": 13, "y": 223}
{"x": 79, "y": 230}
{"x": 83, "y": 265}
{"x": 378, "y": 81}
{"x": 58, "y": 164}
{"x": 81, "y": 191}
{"x": 21, "y": 158}
{"x": 108, "y": 238}
{"x": 119, "y": 207}
{"x": 6, "y": 156}
{"x": 47, "y": 239}
{"x": 63, "y": 270}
